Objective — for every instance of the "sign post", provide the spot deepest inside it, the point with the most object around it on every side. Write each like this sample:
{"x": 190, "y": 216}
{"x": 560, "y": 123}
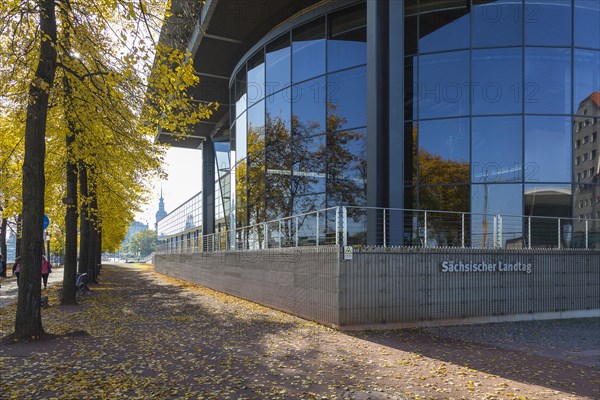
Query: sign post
{"x": 47, "y": 236}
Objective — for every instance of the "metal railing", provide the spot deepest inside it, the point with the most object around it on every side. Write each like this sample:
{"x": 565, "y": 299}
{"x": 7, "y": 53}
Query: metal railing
{"x": 392, "y": 227}
{"x": 428, "y": 228}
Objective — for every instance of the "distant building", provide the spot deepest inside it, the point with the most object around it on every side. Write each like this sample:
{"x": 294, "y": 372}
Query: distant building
{"x": 134, "y": 228}
{"x": 161, "y": 213}
{"x": 11, "y": 248}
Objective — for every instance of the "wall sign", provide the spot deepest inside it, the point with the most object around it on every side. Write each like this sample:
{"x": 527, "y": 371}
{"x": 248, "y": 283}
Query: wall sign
{"x": 451, "y": 266}
{"x": 348, "y": 252}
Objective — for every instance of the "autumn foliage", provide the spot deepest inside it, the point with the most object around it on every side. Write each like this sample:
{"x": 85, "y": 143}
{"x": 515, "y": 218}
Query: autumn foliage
{"x": 109, "y": 86}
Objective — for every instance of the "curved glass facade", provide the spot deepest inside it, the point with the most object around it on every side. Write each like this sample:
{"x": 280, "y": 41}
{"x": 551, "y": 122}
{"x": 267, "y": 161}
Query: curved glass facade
{"x": 298, "y": 122}
{"x": 500, "y": 113}
{"x": 502, "y": 107}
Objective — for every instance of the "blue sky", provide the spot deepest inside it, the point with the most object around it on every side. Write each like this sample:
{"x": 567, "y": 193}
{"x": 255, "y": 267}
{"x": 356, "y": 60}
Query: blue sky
{"x": 184, "y": 167}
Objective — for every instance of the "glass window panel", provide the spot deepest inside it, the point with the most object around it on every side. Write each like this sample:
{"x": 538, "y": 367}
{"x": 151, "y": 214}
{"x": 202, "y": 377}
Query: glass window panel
{"x": 410, "y": 34}
{"x": 587, "y": 23}
{"x": 308, "y": 107}
{"x": 407, "y": 220}
{"x": 278, "y": 64}
{"x": 256, "y": 215}
{"x": 492, "y": 199}
{"x": 240, "y": 106}
{"x": 410, "y": 88}
{"x": 547, "y": 81}
{"x": 303, "y": 204}
{"x": 586, "y": 149}
{"x": 586, "y": 206}
{"x": 308, "y": 50}
{"x": 279, "y": 171}
{"x": 278, "y": 118}
{"x": 256, "y": 78}
{"x": 587, "y": 80}
{"x": 256, "y": 179}
{"x": 497, "y": 81}
{"x": 444, "y": 151}
{"x": 347, "y": 99}
{"x": 356, "y": 226}
{"x": 308, "y": 165}
{"x": 444, "y": 30}
{"x": 443, "y": 85}
{"x": 276, "y": 208}
{"x": 240, "y": 91}
{"x": 222, "y": 156}
{"x": 225, "y": 195}
{"x": 241, "y": 193}
{"x": 219, "y": 202}
{"x": 497, "y": 23}
{"x": 548, "y": 22}
{"x": 232, "y": 112}
{"x": 410, "y": 26}
{"x": 256, "y": 187}
{"x": 411, "y": 7}
{"x": 548, "y": 201}
{"x": 241, "y": 137}
{"x": 444, "y": 198}
{"x": 256, "y": 129}
{"x": 347, "y": 45}
{"x": 410, "y": 153}
{"x": 232, "y": 142}
{"x": 547, "y": 149}
{"x": 410, "y": 197}
{"x": 347, "y": 167}
{"x": 443, "y": 229}
{"x": 497, "y": 149}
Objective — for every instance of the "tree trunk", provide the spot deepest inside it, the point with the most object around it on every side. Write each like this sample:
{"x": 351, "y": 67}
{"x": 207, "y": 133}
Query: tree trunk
{"x": 3, "y": 227}
{"x": 84, "y": 226}
{"x": 28, "y": 322}
{"x": 69, "y": 290}
{"x": 99, "y": 258}
{"x": 93, "y": 255}
{"x": 93, "y": 247}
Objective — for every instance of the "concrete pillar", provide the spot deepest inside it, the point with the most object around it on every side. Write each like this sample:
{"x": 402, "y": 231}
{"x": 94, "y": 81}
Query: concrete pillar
{"x": 377, "y": 112}
{"x": 395, "y": 148}
{"x": 208, "y": 187}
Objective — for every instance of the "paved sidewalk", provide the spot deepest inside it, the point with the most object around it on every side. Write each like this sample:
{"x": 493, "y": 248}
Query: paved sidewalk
{"x": 9, "y": 289}
{"x": 140, "y": 335}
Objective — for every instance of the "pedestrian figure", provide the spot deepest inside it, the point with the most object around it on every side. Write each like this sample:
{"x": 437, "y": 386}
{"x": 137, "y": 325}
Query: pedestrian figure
{"x": 46, "y": 270}
{"x": 17, "y": 268}
{"x": 2, "y": 268}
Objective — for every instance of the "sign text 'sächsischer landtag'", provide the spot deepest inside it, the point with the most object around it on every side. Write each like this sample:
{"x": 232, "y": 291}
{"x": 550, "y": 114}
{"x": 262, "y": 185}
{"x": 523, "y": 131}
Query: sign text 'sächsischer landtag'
{"x": 451, "y": 266}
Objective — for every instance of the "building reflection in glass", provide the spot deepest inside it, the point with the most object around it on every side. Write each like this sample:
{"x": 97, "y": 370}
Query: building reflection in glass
{"x": 303, "y": 147}
{"x": 502, "y": 80}
{"x": 586, "y": 170}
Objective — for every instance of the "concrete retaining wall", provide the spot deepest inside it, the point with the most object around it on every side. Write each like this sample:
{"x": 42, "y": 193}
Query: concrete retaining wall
{"x": 397, "y": 286}
{"x": 302, "y": 281}
{"x": 400, "y": 287}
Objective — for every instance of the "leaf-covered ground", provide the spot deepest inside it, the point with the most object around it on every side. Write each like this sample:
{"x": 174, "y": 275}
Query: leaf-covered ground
{"x": 141, "y": 335}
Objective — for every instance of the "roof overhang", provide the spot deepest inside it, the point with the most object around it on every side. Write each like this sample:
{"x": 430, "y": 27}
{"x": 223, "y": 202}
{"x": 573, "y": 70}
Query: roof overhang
{"x": 223, "y": 31}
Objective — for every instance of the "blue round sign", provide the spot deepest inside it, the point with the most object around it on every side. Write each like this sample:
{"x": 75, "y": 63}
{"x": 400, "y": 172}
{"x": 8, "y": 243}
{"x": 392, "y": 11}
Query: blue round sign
{"x": 46, "y": 221}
